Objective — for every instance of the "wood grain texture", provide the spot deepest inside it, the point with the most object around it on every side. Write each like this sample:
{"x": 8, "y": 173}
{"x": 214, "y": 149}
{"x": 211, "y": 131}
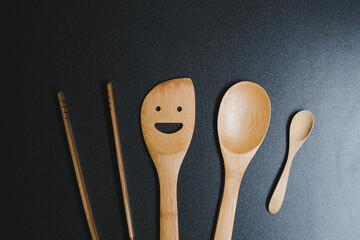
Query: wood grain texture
{"x": 120, "y": 162}
{"x": 243, "y": 120}
{"x": 162, "y": 105}
{"x": 300, "y": 129}
{"x": 77, "y": 167}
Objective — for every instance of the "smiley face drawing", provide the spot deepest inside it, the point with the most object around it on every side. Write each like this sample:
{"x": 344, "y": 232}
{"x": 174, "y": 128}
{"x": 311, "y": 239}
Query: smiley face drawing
{"x": 170, "y": 104}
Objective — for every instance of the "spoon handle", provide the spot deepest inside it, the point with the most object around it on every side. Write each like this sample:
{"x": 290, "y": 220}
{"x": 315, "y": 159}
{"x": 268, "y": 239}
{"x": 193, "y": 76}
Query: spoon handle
{"x": 279, "y": 193}
{"x": 225, "y": 223}
{"x": 168, "y": 209}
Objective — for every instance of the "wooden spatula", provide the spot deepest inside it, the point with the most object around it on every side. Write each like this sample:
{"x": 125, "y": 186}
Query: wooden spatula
{"x": 171, "y": 103}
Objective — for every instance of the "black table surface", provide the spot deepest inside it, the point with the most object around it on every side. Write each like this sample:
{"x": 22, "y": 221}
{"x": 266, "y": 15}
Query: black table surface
{"x": 305, "y": 54}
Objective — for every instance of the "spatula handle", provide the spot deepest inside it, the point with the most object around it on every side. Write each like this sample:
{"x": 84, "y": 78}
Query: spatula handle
{"x": 168, "y": 209}
{"x": 225, "y": 223}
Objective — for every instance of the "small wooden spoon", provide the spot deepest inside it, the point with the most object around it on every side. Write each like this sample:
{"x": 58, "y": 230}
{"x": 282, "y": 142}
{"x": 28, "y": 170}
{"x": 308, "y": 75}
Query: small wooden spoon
{"x": 243, "y": 120}
{"x": 172, "y": 103}
{"x": 300, "y": 129}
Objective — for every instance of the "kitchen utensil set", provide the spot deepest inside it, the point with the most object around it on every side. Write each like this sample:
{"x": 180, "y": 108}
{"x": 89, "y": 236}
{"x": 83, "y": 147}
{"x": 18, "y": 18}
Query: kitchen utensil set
{"x": 243, "y": 120}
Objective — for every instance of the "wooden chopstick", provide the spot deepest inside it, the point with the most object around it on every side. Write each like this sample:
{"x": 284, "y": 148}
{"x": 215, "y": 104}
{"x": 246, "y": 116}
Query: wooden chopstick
{"x": 77, "y": 167}
{"x": 120, "y": 162}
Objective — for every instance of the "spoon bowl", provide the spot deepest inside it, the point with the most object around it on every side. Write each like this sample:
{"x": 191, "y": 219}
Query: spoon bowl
{"x": 243, "y": 120}
{"x": 301, "y": 125}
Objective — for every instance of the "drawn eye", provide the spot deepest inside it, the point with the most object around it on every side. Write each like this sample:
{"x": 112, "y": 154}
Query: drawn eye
{"x": 179, "y": 109}
{"x": 158, "y": 108}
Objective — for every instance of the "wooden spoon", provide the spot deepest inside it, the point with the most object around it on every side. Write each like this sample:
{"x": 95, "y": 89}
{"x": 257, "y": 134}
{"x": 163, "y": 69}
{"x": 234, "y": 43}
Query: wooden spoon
{"x": 169, "y": 103}
{"x": 243, "y": 120}
{"x": 300, "y": 129}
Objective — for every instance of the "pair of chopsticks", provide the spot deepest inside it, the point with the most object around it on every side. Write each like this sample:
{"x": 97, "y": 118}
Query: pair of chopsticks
{"x": 78, "y": 171}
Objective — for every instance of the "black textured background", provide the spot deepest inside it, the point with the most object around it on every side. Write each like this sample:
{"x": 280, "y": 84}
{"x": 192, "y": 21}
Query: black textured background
{"x": 305, "y": 54}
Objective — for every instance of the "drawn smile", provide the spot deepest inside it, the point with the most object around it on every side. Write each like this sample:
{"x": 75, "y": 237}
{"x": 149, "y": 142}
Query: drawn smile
{"x": 168, "y": 128}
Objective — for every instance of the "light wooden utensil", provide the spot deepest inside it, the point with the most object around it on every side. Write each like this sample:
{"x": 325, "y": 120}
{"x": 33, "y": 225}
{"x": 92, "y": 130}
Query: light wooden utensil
{"x": 120, "y": 162}
{"x": 243, "y": 120}
{"x": 78, "y": 172}
{"x": 172, "y": 103}
{"x": 300, "y": 129}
